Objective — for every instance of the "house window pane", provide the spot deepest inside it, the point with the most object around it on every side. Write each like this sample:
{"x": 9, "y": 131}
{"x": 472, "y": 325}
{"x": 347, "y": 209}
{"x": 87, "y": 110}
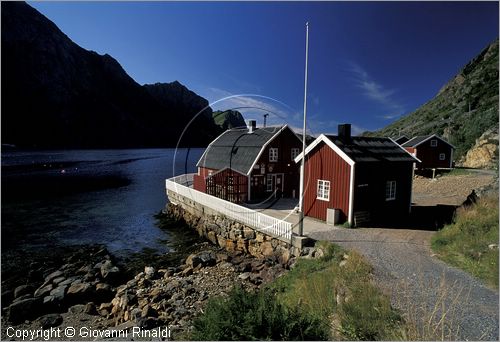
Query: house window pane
{"x": 442, "y": 156}
{"x": 390, "y": 190}
{"x": 273, "y": 154}
{"x": 295, "y": 153}
{"x": 323, "y": 190}
{"x": 434, "y": 143}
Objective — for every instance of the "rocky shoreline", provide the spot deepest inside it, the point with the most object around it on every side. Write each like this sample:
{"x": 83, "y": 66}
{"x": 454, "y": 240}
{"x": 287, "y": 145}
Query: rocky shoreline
{"x": 89, "y": 288}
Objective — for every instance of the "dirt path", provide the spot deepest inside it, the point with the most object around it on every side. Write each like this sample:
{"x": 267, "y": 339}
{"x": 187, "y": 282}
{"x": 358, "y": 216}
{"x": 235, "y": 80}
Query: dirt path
{"x": 407, "y": 271}
{"x": 449, "y": 189}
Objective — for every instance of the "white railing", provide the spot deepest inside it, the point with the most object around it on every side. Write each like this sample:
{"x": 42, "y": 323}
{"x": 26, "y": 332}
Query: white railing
{"x": 261, "y": 222}
{"x": 186, "y": 179}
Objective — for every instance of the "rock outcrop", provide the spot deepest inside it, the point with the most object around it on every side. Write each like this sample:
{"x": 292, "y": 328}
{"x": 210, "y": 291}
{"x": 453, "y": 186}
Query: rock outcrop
{"x": 81, "y": 281}
{"x": 83, "y": 289}
{"x": 484, "y": 153}
{"x": 174, "y": 296}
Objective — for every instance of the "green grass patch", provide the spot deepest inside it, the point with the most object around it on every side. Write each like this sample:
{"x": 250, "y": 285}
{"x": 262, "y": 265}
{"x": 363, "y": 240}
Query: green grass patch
{"x": 326, "y": 298}
{"x": 464, "y": 243}
{"x": 458, "y": 172}
{"x": 337, "y": 290}
{"x": 255, "y": 316}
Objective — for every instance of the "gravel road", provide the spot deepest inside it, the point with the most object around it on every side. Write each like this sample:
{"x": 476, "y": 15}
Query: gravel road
{"x": 406, "y": 269}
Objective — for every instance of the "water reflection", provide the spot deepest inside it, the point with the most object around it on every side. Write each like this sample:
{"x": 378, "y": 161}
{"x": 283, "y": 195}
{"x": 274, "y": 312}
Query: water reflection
{"x": 54, "y": 198}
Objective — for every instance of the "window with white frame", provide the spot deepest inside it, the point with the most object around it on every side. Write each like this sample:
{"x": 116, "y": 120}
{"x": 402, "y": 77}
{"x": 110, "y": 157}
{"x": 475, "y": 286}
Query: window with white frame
{"x": 323, "y": 191}
{"x": 390, "y": 190}
{"x": 442, "y": 156}
{"x": 273, "y": 154}
{"x": 269, "y": 183}
{"x": 295, "y": 152}
{"x": 434, "y": 143}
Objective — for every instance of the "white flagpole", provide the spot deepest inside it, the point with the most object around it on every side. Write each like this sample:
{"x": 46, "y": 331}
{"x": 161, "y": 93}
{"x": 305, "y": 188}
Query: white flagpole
{"x": 302, "y": 163}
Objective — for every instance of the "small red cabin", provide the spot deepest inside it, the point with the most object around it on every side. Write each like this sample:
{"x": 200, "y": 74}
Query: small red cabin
{"x": 433, "y": 152}
{"x": 250, "y": 164}
{"x": 356, "y": 179}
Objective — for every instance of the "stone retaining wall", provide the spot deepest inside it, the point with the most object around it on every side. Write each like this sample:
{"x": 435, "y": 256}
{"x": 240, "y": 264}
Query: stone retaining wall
{"x": 230, "y": 234}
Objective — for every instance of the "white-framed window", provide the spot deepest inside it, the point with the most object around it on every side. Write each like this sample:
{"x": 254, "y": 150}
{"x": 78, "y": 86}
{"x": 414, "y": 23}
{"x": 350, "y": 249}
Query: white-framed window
{"x": 295, "y": 152}
{"x": 390, "y": 190}
{"x": 434, "y": 142}
{"x": 323, "y": 191}
{"x": 269, "y": 183}
{"x": 273, "y": 154}
{"x": 442, "y": 156}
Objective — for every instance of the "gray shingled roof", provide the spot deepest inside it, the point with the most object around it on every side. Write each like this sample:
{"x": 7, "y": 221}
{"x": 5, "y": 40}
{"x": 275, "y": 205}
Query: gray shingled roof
{"x": 416, "y": 140}
{"x": 367, "y": 149}
{"x": 401, "y": 139}
{"x": 236, "y": 149}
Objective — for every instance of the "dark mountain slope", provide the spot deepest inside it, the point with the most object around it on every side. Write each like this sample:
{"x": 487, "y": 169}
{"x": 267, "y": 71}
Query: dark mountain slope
{"x": 464, "y": 108}
{"x": 56, "y": 94}
{"x": 179, "y": 99}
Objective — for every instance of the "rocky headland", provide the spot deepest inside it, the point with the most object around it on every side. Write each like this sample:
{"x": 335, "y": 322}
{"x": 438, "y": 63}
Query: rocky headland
{"x": 484, "y": 153}
{"x": 60, "y": 95}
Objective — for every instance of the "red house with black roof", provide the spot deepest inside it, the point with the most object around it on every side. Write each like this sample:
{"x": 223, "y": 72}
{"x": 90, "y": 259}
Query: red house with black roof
{"x": 356, "y": 179}
{"x": 433, "y": 152}
{"x": 250, "y": 164}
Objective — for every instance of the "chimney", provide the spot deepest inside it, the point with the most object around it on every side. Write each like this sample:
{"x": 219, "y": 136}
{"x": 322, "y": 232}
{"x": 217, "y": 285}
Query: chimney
{"x": 251, "y": 126}
{"x": 344, "y": 132}
{"x": 265, "y": 119}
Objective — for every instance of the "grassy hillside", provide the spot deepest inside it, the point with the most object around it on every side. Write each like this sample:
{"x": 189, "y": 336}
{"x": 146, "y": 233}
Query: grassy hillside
{"x": 471, "y": 243}
{"x": 462, "y": 110}
{"x": 228, "y": 119}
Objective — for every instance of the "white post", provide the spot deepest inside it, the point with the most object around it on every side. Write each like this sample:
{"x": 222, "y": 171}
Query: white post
{"x": 302, "y": 163}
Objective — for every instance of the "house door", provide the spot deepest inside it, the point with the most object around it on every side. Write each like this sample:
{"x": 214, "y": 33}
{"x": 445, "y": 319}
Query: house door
{"x": 363, "y": 198}
{"x": 258, "y": 187}
{"x": 275, "y": 183}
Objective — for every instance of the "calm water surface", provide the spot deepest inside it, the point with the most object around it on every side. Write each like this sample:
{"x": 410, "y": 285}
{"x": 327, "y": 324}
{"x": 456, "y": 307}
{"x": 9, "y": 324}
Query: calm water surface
{"x": 110, "y": 197}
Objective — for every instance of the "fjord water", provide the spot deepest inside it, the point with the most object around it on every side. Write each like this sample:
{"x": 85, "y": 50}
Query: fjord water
{"x": 72, "y": 197}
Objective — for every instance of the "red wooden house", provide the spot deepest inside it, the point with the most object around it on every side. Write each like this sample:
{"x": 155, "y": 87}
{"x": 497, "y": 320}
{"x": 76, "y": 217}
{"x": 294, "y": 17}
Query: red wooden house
{"x": 433, "y": 152}
{"x": 356, "y": 179}
{"x": 250, "y": 164}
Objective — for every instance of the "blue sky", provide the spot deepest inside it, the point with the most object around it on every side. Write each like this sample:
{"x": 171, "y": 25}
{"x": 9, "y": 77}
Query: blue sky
{"x": 369, "y": 62}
